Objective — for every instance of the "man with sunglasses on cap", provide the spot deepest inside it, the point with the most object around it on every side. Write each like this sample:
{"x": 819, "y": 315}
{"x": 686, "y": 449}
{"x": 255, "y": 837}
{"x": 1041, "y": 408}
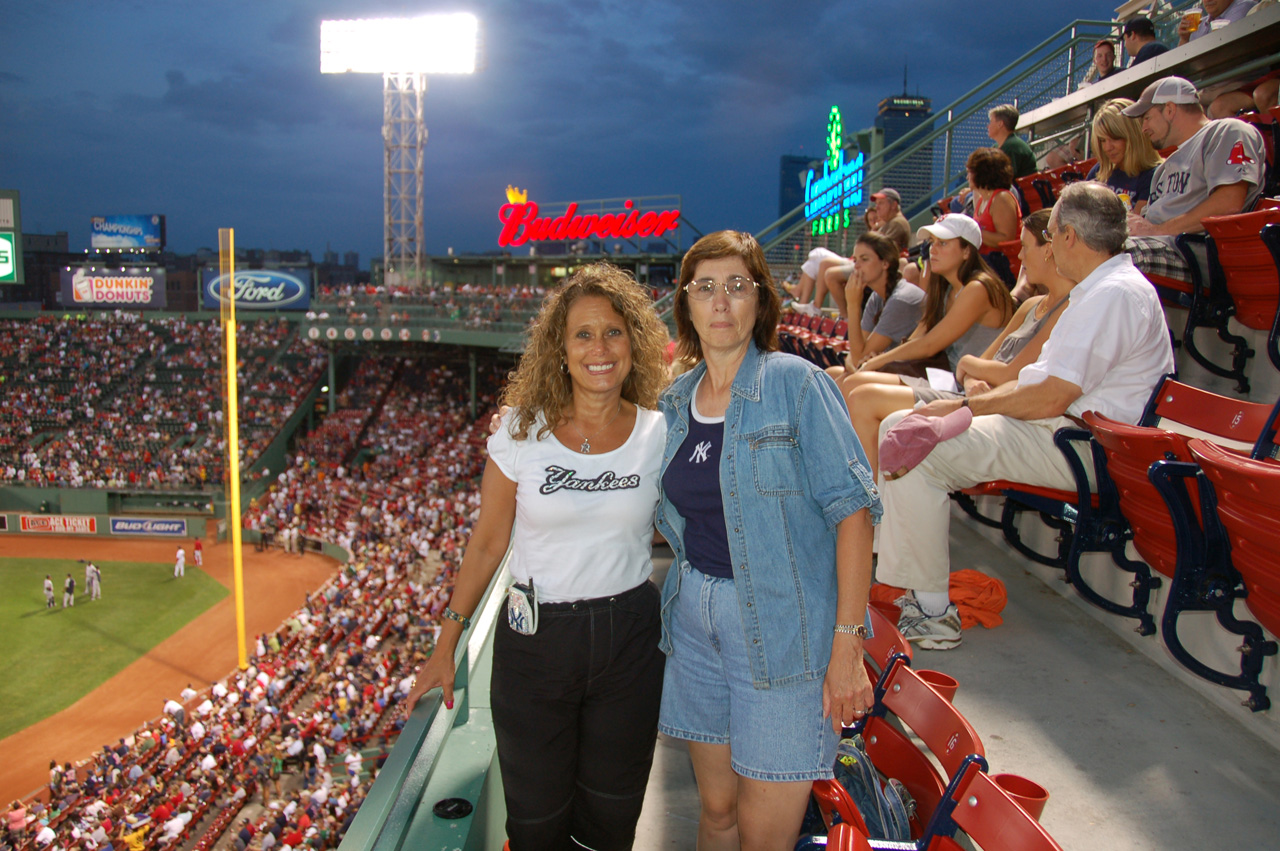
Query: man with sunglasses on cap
{"x": 892, "y": 223}
{"x": 1105, "y": 354}
{"x": 1216, "y": 171}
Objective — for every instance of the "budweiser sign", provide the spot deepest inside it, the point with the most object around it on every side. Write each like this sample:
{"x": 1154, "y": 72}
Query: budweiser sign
{"x": 520, "y": 223}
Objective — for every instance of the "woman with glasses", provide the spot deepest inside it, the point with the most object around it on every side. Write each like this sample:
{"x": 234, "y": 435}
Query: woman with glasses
{"x": 1126, "y": 159}
{"x": 571, "y": 485}
{"x": 1016, "y": 346}
{"x": 965, "y": 307}
{"x": 768, "y": 505}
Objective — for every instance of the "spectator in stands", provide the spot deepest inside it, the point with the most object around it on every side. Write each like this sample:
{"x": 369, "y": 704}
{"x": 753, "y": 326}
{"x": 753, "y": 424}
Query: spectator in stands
{"x": 760, "y": 698}
{"x": 965, "y": 308}
{"x": 892, "y": 310}
{"x": 1216, "y": 171}
{"x": 995, "y": 208}
{"x": 576, "y": 670}
{"x": 1018, "y": 345}
{"x": 1126, "y": 159}
{"x": 1003, "y": 121}
{"x": 1140, "y": 40}
{"x": 1217, "y": 14}
{"x": 1108, "y": 350}
{"x": 1104, "y": 63}
{"x": 889, "y": 218}
{"x": 803, "y": 294}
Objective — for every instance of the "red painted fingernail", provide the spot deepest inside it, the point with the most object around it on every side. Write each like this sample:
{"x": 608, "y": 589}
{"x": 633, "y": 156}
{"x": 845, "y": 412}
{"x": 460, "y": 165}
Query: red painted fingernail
{"x": 448, "y": 704}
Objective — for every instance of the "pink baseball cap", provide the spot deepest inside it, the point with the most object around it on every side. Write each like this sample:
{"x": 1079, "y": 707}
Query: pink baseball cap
{"x": 911, "y": 440}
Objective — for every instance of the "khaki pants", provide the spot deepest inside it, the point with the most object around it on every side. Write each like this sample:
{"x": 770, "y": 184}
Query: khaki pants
{"x": 914, "y": 534}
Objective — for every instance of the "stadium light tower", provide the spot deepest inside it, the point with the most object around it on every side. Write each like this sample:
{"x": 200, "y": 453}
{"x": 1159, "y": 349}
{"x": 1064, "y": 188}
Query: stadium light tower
{"x": 404, "y": 51}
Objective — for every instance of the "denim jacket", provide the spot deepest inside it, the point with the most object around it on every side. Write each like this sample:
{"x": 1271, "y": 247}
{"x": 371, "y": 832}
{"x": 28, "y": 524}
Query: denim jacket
{"x": 791, "y": 469}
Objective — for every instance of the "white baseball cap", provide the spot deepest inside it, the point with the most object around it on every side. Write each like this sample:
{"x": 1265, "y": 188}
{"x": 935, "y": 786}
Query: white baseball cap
{"x": 953, "y": 226}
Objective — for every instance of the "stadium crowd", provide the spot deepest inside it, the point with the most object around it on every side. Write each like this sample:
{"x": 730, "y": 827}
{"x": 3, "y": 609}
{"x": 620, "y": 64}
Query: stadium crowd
{"x": 476, "y": 305}
{"x": 279, "y": 746}
{"x": 114, "y": 400}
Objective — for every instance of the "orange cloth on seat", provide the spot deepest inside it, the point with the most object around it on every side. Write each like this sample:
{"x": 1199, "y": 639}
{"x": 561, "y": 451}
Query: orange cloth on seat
{"x": 978, "y": 597}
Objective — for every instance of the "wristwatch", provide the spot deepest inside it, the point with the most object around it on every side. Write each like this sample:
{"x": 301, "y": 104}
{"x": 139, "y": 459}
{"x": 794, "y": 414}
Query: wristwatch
{"x": 859, "y": 629}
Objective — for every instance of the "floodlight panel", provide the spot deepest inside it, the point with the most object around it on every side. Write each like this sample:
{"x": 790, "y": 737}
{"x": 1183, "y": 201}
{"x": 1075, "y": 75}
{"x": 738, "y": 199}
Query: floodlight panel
{"x": 430, "y": 44}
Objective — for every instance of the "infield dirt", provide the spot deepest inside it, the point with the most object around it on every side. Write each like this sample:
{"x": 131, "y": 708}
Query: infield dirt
{"x": 275, "y": 585}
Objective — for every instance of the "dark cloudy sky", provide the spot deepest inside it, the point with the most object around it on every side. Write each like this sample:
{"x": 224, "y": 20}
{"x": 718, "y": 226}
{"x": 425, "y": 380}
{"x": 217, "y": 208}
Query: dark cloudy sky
{"x": 215, "y": 113}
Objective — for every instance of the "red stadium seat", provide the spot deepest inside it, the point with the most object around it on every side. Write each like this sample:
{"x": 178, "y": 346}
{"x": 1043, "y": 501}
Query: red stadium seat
{"x": 1010, "y": 249}
{"x": 989, "y": 816}
{"x": 1242, "y": 282}
{"x": 1248, "y": 491}
{"x": 1164, "y": 513}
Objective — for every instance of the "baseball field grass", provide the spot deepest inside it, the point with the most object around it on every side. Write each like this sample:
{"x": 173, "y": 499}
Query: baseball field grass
{"x": 50, "y": 658}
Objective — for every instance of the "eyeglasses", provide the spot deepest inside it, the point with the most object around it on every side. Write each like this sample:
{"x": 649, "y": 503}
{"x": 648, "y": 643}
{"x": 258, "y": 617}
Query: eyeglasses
{"x": 736, "y": 287}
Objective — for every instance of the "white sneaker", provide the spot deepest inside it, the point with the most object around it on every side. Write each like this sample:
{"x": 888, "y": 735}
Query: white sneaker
{"x": 806, "y": 308}
{"x": 937, "y": 632}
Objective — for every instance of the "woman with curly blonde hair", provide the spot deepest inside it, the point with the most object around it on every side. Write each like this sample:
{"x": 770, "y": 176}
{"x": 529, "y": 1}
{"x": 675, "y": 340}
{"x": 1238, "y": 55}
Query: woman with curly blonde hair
{"x": 571, "y": 486}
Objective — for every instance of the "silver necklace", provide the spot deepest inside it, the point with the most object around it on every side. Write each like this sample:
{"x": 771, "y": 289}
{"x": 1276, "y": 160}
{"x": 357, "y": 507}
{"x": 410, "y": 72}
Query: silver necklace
{"x": 585, "y": 448}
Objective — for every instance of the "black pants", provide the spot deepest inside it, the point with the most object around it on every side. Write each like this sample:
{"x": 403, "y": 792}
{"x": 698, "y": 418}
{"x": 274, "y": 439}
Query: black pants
{"x": 575, "y": 713}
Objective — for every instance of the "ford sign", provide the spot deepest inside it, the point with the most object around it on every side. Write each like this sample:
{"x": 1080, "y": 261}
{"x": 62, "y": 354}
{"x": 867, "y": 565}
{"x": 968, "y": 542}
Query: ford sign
{"x": 258, "y": 289}
{"x": 148, "y": 526}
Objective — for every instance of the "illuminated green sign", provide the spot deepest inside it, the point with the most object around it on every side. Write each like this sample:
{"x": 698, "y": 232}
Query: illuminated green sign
{"x": 829, "y": 199}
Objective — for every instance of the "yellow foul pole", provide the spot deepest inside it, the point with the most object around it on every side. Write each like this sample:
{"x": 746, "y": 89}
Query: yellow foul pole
{"x": 227, "y": 270}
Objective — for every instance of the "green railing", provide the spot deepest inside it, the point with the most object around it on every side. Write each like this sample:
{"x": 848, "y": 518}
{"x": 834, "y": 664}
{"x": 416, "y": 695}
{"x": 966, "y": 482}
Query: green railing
{"x": 443, "y": 753}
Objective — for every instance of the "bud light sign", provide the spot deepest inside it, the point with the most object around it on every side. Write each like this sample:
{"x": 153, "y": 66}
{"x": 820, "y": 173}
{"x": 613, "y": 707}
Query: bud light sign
{"x": 259, "y": 289}
{"x": 148, "y": 526}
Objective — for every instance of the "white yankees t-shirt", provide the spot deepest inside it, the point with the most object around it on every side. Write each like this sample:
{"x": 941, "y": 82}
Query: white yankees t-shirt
{"x": 584, "y": 523}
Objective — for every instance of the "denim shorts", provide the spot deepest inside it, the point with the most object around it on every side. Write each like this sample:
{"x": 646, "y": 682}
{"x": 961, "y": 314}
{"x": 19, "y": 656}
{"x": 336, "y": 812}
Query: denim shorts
{"x": 776, "y": 734}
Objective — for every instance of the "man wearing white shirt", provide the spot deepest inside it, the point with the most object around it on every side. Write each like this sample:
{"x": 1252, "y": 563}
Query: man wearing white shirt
{"x": 175, "y": 711}
{"x": 1105, "y": 354}
{"x": 188, "y": 693}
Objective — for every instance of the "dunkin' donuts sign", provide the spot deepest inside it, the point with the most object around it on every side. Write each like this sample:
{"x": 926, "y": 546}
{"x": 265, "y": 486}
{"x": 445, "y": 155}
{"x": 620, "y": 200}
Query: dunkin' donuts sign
{"x": 521, "y": 222}
{"x": 113, "y": 288}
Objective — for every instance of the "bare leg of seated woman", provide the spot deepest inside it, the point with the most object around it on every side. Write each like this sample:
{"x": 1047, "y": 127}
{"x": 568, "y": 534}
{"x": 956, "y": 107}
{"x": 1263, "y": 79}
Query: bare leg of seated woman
{"x": 803, "y": 290}
{"x": 849, "y": 380}
{"x": 869, "y": 404}
{"x": 836, "y": 276}
{"x": 740, "y": 813}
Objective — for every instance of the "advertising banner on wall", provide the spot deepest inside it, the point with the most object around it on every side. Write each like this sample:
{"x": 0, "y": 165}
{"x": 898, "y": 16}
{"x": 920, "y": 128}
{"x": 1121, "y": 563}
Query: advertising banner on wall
{"x": 258, "y": 289}
{"x": 10, "y": 238}
{"x": 4, "y": 522}
{"x": 59, "y": 524}
{"x": 104, "y": 288}
{"x": 157, "y": 526}
{"x": 123, "y": 233}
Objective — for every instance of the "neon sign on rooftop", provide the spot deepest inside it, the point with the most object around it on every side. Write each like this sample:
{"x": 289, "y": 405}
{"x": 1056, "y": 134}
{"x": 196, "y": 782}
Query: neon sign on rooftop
{"x": 827, "y": 199}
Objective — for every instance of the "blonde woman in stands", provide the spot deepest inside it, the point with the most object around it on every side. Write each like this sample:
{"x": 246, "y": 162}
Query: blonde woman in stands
{"x": 571, "y": 484}
{"x": 966, "y": 307}
{"x": 1126, "y": 157}
{"x": 1018, "y": 345}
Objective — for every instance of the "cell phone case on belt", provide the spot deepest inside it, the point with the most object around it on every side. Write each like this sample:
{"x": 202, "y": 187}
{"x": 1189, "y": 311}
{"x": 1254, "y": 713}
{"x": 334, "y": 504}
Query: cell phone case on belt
{"x": 522, "y": 608}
